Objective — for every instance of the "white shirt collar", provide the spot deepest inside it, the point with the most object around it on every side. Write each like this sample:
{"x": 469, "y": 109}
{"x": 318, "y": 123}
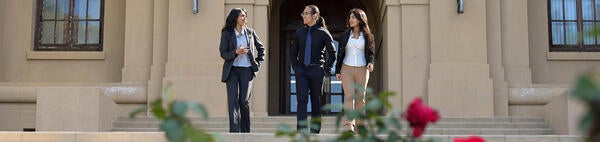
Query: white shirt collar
{"x": 352, "y": 32}
{"x": 238, "y": 33}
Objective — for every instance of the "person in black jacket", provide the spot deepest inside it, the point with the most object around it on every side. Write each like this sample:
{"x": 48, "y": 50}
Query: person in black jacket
{"x": 354, "y": 62}
{"x": 311, "y": 64}
{"x": 243, "y": 53}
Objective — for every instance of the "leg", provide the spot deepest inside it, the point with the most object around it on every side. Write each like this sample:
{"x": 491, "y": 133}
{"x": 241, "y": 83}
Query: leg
{"x": 362, "y": 78}
{"x": 347, "y": 85}
{"x": 301, "y": 97}
{"x": 316, "y": 86}
{"x": 246, "y": 76}
{"x": 232, "y": 101}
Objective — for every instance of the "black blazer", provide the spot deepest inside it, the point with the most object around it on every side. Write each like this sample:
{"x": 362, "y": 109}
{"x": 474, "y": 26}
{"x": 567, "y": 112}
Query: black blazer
{"x": 342, "y": 38}
{"x": 229, "y": 45}
{"x": 322, "y": 48}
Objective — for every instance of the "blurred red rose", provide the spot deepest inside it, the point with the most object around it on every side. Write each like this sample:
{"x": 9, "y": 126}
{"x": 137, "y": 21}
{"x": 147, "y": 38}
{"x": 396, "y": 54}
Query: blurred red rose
{"x": 469, "y": 139}
{"x": 418, "y": 115}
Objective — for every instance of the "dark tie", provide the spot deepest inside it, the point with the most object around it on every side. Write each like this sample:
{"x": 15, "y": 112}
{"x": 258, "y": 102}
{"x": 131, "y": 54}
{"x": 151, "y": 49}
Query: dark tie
{"x": 307, "y": 48}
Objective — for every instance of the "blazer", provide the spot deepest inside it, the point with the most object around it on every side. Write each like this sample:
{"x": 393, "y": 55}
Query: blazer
{"x": 342, "y": 38}
{"x": 322, "y": 48}
{"x": 228, "y": 46}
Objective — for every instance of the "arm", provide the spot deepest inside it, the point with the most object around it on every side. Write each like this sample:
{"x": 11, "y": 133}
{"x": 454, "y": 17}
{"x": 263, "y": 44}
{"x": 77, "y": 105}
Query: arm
{"x": 294, "y": 51}
{"x": 223, "y": 48}
{"x": 330, "y": 49}
{"x": 260, "y": 48}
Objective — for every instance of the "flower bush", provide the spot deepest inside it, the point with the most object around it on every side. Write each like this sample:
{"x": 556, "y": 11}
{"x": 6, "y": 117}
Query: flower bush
{"x": 376, "y": 128}
{"x": 175, "y": 124}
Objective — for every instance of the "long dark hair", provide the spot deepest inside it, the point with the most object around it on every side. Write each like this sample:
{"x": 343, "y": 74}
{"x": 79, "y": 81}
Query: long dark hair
{"x": 315, "y": 10}
{"x": 231, "y": 20}
{"x": 363, "y": 23}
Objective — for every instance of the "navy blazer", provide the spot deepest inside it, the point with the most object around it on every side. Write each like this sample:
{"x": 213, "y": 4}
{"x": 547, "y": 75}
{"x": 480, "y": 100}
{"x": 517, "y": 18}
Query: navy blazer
{"x": 229, "y": 45}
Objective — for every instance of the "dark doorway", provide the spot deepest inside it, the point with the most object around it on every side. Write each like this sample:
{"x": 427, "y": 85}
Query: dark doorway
{"x": 335, "y": 13}
{"x": 284, "y": 21}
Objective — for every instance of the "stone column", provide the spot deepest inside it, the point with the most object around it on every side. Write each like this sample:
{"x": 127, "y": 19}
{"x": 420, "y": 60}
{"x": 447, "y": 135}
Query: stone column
{"x": 459, "y": 81}
{"x": 194, "y": 64}
{"x": 415, "y": 48}
{"x": 515, "y": 42}
{"x": 259, "y": 104}
{"x": 138, "y": 41}
{"x": 494, "y": 52}
{"x": 392, "y": 53}
{"x": 159, "y": 49}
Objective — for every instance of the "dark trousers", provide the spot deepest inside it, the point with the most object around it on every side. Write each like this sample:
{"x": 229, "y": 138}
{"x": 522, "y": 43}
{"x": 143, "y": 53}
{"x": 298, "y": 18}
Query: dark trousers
{"x": 239, "y": 86}
{"x": 309, "y": 79}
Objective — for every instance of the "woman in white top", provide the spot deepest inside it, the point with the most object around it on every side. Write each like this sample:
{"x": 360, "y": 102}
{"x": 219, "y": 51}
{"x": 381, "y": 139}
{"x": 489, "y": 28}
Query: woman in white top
{"x": 354, "y": 62}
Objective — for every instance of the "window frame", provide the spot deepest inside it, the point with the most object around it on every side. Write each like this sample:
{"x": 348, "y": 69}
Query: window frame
{"x": 580, "y": 47}
{"x": 68, "y": 43}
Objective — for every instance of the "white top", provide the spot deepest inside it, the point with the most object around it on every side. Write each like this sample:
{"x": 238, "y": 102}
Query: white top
{"x": 241, "y": 60}
{"x": 355, "y": 51}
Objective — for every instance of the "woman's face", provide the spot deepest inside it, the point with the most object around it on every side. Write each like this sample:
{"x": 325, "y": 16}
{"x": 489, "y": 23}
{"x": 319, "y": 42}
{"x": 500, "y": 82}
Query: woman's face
{"x": 241, "y": 19}
{"x": 353, "y": 21}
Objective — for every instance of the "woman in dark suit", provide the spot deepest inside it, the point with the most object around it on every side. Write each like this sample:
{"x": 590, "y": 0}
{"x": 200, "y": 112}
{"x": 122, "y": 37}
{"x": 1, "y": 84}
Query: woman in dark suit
{"x": 354, "y": 62}
{"x": 243, "y": 53}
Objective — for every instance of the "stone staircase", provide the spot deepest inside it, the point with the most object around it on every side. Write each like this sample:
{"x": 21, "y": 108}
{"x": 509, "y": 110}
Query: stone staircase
{"x": 445, "y": 126}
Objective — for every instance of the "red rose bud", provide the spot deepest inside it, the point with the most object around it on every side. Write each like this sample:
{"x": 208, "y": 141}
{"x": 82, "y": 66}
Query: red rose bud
{"x": 418, "y": 115}
{"x": 469, "y": 139}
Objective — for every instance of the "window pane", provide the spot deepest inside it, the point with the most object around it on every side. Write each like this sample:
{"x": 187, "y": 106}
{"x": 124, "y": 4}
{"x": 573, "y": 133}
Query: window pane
{"x": 62, "y": 29}
{"x": 587, "y": 9}
{"x": 597, "y": 2}
{"x": 80, "y": 9}
{"x": 63, "y": 9}
{"x": 557, "y": 33}
{"x": 48, "y": 32}
{"x": 588, "y": 37}
{"x": 557, "y": 9}
{"x": 79, "y": 32}
{"x": 572, "y": 36}
{"x": 93, "y": 29}
{"x": 94, "y": 9}
{"x": 570, "y": 10}
{"x": 48, "y": 8}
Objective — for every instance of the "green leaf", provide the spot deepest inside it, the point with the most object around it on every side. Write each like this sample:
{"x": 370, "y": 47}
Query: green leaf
{"x": 136, "y": 112}
{"x": 346, "y": 135}
{"x": 199, "y": 109}
{"x": 173, "y": 130}
{"x": 392, "y": 137}
{"x": 338, "y": 120}
{"x": 374, "y": 105}
{"x": 586, "y": 89}
{"x": 352, "y": 114}
{"x": 393, "y": 122}
{"x": 179, "y": 108}
{"x": 283, "y": 129}
{"x": 586, "y": 121}
{"x": 157, "y": 109}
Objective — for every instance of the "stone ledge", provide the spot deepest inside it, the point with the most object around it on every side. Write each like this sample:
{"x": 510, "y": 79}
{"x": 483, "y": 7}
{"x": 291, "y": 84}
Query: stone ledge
{"x": 66, "y": 55}
{"x": 126, "y": 93}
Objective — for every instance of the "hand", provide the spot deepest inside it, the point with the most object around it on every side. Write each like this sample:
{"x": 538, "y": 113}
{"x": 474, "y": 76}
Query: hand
{"x": 338, "y": 76}
{"x": 242, "y": 50}
{"x": 370, "y": 67}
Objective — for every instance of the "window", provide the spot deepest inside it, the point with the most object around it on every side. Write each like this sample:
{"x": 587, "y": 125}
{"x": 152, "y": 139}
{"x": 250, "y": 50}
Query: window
{"x": 69, "y": 25}
{"x": 571, "y": 23}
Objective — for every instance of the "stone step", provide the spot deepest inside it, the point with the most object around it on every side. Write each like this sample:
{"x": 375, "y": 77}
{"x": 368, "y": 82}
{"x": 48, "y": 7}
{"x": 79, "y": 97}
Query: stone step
{"x": 328, "y": 124}
{"x": 332, "y": 118}
{"x": 242, "y": 137}
{"x": 429, "y": 131}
